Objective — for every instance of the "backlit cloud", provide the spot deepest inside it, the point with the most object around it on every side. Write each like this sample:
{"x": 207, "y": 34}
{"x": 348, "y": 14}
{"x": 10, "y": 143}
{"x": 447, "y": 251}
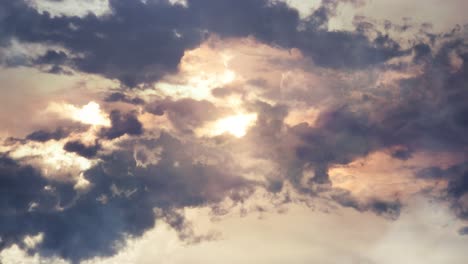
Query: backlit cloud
{"x": 188, "y": 131}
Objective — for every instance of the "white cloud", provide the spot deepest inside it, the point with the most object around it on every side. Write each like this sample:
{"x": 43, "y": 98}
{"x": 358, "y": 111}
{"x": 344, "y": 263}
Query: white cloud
{"x": 425, "y": 233}
{"x": 71, "y": 7}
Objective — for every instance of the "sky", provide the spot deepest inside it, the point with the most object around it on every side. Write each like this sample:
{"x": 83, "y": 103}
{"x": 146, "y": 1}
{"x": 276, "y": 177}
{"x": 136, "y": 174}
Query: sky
{"x": 233, "y": 131}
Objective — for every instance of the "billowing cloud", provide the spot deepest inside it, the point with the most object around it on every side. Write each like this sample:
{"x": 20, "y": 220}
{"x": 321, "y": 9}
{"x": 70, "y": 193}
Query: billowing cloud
{"x": 122, "y": 124}
{"x": 236, "y": 108}
{"x": 101, "y": 44}
{"x": 56, "y": 209}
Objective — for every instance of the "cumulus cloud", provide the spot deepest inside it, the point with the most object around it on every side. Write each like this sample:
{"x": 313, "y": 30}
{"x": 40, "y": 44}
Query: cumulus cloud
{"x": 42, "y": 135}
{"x": 230, "y": 99}
{"x": 120, "y": 202}
{"x": 122, "y": 124}
{"x": 101, "y": 44}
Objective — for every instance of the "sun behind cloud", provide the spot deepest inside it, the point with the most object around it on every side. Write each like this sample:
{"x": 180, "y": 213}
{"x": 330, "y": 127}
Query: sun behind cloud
{"x": 236, "y": 125}
{"x": 89, "y": 114}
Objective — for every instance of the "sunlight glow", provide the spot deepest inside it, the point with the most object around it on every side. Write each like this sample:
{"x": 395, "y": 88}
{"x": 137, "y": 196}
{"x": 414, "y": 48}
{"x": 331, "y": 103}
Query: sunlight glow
{"x": 235, "y": 125}
{"x": 90, "y": 113}
{"x": 52, "y": 159}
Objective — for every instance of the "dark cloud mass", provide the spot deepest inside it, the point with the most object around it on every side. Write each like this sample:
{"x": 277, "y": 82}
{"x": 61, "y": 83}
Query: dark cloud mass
{"x": 81, "y": 149}
{"x": 120, "y": 97}
{"x": 97, "y": 222}
{"x": 371, "y": 93}
{"x": 186, "y": 114}
{"x": 141, "y": 41}
{"x": 122, "y": 124}
{"x": 43, "y": 135}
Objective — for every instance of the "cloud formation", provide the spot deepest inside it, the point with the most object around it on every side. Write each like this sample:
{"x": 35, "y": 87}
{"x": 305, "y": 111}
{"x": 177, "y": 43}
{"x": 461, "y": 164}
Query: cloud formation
{"x": 364, "y": 119}
{"x": 157, "y": 33}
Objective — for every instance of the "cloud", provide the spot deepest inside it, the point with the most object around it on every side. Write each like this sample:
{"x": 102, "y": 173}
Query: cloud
{"x": 120, "y": 97}
{"x": 186, "y": 114}
{"x": 122, "y": 124}
{"x": 81, "y": 149}
{"x": 125, "y": 45}
{"x": 313, "y": 112}
{"x": 119, "y": 203}
{"x": 43, "y": 136}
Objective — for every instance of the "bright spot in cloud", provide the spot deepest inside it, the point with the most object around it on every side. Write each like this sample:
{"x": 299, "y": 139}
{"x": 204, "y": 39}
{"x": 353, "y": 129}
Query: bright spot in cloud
{"x": 32, "y": 241}
{"x": 89, "y": 114}
{"x": 200, "y": 75}
{"x": 52, "y": 159}
{"x": 228, "y": 77}
{"x": 235, "y": 125}
{"x": 180, "y": 2}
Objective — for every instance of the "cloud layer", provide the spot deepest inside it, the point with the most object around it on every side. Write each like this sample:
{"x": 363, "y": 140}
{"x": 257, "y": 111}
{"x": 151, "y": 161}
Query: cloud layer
{"x": 213, "y": 102}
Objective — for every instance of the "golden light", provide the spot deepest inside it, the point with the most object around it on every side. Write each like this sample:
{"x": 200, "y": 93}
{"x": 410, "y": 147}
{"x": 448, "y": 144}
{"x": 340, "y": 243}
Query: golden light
{"x": 52, "y": 159}
{"x": 235, "y": 125}
{"x": 89, "y": 114}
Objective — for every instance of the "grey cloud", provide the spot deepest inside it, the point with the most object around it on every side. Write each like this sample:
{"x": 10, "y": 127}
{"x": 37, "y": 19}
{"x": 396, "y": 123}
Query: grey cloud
{"x": 222, "y": 92}
{"x": 339, "y": 137}
{"x": 457, "y": 178}
{"x": 52, "y": 57}
{"x": 463, "y": 231}
{"x": 186, "y": 114}
{"x": 125, "y": 45}
{"x": 388, "y": 209}
{"x": 428, "y": 115}
{"x": 139, "y": 42}
{"x": 422, "y": 51}
{"x": 25, "y": 195}
{"x": 119, "y": 204}
{"x": 81, "y": 149}
{"x": 120, "y": 97}
{"x": 403, "y": 154}
{"x": 417, "y": 122}
{"x": 122, "y": 124}
{"x": 43, "y": 135}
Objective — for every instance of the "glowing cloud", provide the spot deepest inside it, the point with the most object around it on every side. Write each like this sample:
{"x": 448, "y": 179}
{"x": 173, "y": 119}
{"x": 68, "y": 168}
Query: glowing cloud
{"x": 89, "y": 114}
{"x": 236, "y": 125}
{"x": 52, "y": 159}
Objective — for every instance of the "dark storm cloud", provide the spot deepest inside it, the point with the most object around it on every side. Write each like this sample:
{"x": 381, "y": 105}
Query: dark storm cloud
{"x": 432, "y": 113}
{"x": 388, "y": 209}
{"x": 120, "y": 97}
{"x": 276, "y": 23}
{"x": 122, "y": 124}
{"x": 52, "y": 57}
{"x": 16, "y": 197}
{"x": 428, "y": 114}
{"x": 402, "y": 154}
{"x": 119, "y": 203}
{"x": 463, "y": 231}
{"x": 186, "y": 114}
{"x": 422, "y": 51}
{"x": 141, "y": 42}
{"x": 136, "y": 43}
{"x": 457, "y": 178}
{"x": 81, "y": 149}
{"x": 339, "y": 137}
{"x": 350, "y": 50}
{"x": 222, "y": 92}
{"x": 24, "y": 195}
{"x": 43, "y": 135}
